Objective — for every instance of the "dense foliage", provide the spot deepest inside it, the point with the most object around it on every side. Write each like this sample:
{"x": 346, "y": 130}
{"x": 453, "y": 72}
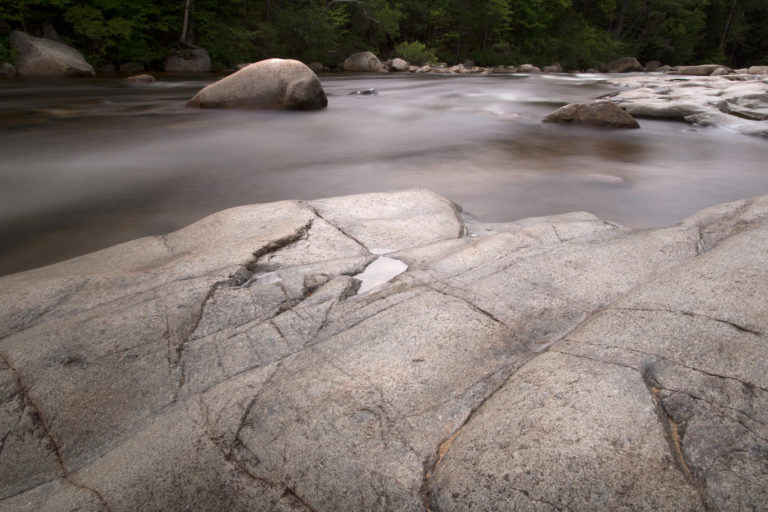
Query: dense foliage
{"x": 576, "y": 33}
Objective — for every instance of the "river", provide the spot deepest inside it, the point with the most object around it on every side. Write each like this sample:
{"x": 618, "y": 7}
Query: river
{"x": 88, "y": 163}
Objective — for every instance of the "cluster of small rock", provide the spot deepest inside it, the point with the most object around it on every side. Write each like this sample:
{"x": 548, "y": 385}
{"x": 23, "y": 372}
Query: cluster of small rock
{"x": 43, "y": 57}
{"x": 51, "y": 57}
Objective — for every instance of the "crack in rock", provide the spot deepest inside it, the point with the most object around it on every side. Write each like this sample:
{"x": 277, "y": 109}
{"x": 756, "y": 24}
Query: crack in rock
{"x": 335, "y": 226}
{"x": 738, "y": 327}
{"x": 433, "y": 462}
{"x": 39, "y": 418}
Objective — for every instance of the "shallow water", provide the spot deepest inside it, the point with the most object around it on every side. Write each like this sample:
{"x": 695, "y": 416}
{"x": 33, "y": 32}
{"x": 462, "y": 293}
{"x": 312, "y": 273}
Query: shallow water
{"x": 85, "y": 164}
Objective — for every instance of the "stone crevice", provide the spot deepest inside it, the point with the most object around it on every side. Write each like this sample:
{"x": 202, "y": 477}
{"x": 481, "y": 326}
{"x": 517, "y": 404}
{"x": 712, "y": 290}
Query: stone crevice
{"x": 40, "y": 419}
{"x": 677, "y": 363}
{"x": 25, "y": 324}
{"x": 228, "y": 456}
{"x": 433, "y": 463}
{"x": 474, "y": 307}
{"x": 694, "y": 315}
{"x": 336, "y": 227}
{"x": 16, "y": 423}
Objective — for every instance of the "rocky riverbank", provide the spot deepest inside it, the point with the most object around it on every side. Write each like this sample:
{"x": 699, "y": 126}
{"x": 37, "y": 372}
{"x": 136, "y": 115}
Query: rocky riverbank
{"x": 560, "y": 362}
{"x": 737, "y": 102}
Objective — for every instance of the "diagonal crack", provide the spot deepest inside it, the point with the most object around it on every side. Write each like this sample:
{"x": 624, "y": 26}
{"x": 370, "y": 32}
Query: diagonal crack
{"x": 433, "y": 463}
{"x": 39, "y": 418}
{"x": 335, "y": 226}
{"x": 693, "y": 315}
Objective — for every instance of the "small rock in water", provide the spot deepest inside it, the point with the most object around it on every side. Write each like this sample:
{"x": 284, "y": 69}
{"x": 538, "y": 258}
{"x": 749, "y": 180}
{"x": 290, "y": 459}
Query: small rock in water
{"x": 365, "y": 92}
{"x": 145, "y": 79}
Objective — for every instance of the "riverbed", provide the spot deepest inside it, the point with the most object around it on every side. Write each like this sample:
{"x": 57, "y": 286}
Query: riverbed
{"x": 88, "y": 163}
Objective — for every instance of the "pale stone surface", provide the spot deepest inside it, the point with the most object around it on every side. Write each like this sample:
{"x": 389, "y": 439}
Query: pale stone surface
{"x": 739, "y": 105}
{"x": 399, "y": 65}
{"x": 275, "y": 84}
{"x": 363, "y": 61}
{"x": 529, "y": 68}
{"x": 558, "y": 362}
{"x": 43, "y": 57}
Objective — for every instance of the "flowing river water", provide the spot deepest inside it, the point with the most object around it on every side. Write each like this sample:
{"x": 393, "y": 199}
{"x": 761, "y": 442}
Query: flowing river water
{"x": 88, "y": 163}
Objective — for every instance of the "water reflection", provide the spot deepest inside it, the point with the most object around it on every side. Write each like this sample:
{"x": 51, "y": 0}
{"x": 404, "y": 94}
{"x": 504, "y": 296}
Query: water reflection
{"x": 90, "y": 163}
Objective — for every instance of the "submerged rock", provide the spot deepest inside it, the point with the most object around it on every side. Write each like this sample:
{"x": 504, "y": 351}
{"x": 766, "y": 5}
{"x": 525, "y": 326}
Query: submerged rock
{"x": 363, "y": 61}
{"x": 275, "y": 84}
{"x": 602, "y": 114}
{"x": 43, "y": 57}
{"x": 145, "y": 79}
{"x": 560, "y": 361}
{"x": 364, "y": 92}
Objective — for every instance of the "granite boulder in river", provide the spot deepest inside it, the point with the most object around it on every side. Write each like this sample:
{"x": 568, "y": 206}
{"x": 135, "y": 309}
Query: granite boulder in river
{"x": 554, "y": 363}
{"x": 275, "y": 84}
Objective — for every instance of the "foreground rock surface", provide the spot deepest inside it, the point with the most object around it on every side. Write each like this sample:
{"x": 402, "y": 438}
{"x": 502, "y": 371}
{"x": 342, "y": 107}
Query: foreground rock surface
{"x": 554, "y": 363}
{"x": 739, "y": 105}
{"x": 44, "y": 57}
{"x": 269, "y": 84}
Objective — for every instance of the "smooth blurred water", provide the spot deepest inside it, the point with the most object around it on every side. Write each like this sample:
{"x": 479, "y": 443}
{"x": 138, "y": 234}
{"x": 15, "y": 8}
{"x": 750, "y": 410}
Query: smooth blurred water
{"x": 85, "y": 164}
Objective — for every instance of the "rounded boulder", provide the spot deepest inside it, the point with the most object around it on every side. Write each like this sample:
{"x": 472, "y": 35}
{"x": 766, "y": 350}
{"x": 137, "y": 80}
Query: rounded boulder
{"x": 625, "y": 65}
{"x": 363, "y": 61}
{"x": 43, "y": 57}
{"x": 7, "y": 70}
{"x": 189, "y": 60}
{"x": 273, "y": 84}
{"x": 602, "y": 114}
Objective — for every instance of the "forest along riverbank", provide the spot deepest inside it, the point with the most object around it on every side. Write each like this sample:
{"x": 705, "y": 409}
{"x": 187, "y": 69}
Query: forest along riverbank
{"x": 94, "y": 162}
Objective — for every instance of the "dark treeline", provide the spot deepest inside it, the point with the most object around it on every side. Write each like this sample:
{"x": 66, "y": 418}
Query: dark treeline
{"x": 576, "y": 33}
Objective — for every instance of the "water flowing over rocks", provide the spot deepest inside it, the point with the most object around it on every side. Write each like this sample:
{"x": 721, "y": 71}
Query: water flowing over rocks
{"x": 43, "y": 57}
{"x": 740, "y": 105}
{"x": 553, "y": 363}
{"x": 269, "y": 84}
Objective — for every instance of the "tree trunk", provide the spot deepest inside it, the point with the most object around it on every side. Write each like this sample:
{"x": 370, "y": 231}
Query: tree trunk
{"x": 620, "y": 21}
{"x": 185, "y": 32}
{"x": 727, "y": 27}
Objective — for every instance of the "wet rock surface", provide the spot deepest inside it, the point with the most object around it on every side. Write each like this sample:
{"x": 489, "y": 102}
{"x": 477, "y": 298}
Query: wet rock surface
{"x": 553, "y": 363}
{"x": 736, "y": 102}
